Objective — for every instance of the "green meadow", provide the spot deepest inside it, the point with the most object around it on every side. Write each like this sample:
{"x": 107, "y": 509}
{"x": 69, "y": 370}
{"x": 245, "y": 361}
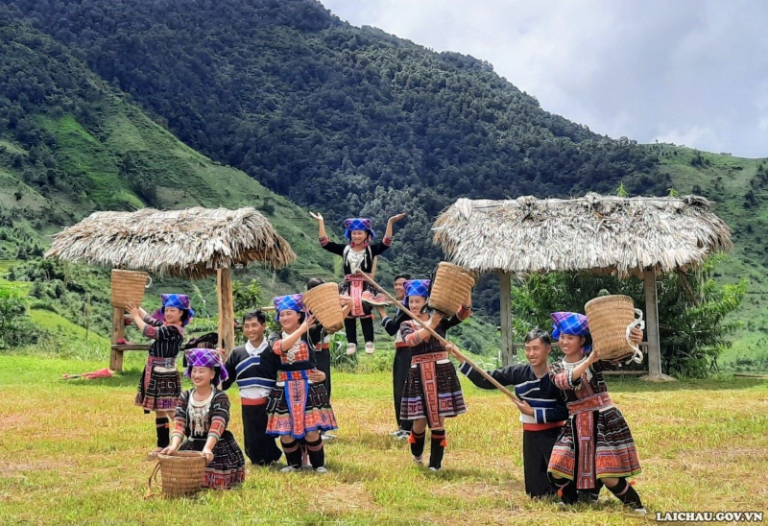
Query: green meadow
{"x": 73, "y": 452}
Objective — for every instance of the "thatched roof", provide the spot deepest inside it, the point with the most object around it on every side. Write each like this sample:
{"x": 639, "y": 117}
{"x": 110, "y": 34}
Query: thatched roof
{"x": 191, "y": 243}
{"x": 595, "y": 232}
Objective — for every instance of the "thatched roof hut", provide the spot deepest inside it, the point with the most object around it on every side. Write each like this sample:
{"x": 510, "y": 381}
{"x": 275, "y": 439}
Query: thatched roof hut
{"x": 639, "y": 235}
{"x": 595, "y": 232}
{"x": 191, "y": 243}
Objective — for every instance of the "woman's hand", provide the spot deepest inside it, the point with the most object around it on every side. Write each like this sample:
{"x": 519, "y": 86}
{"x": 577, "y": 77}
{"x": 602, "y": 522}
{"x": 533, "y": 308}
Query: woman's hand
{"x": 398, "y": 217}
{"x": 382, "y": 311}
{"x": 636, "y": 335}
{"x": 133, "y": 310}
{"x": 170, "y": 450}
{"x": 437, "y": 317}
{"x": 208, "y": 454}
{"x": 316, "y": 376}
{"x": 309, "y": 321}
{"x": 451, "y": 348}
{"x": 317, "y": 217}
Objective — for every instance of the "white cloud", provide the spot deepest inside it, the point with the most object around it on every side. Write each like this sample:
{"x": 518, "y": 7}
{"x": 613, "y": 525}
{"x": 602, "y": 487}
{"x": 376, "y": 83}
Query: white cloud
{"x": 645, "y": 70}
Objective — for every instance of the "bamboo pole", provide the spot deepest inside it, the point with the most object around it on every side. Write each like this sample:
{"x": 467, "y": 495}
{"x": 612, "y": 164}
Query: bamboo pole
{"x": 458, "y": 354}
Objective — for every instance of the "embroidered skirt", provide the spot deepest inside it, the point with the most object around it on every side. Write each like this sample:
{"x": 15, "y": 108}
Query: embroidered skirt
{"x": 159, "y": 385}
{"x": 227, "y": 469}
{"x": 298, "y": 407}
{"x": 613, "y": 453}
{"x": 432, "y": 390}
{"x": 358, "y": 289}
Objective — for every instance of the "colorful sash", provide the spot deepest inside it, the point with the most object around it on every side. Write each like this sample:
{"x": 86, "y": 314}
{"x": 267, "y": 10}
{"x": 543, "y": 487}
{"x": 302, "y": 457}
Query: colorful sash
{"x": 426, "y": 365}
{"x": 356, "y": 287}
{"x": 583, "y": 414}
{"x": 296, "y": 394}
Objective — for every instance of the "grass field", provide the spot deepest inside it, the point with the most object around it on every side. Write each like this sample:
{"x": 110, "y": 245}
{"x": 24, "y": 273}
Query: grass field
{"x": 72, "y": 453}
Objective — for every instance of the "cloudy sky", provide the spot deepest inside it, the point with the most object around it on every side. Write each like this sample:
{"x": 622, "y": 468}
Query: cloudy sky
{"x": 692, "y": 72}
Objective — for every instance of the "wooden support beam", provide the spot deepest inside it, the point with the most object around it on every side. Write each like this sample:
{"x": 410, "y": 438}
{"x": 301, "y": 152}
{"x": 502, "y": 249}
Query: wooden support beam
{"x": 118, "y": 332}
{"x": 507, "y": 343}
{"x": 226, "y": 310}
{"x": 652, "y": 327}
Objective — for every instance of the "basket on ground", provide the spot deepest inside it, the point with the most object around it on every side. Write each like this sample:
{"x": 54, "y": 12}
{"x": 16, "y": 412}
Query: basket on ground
{"x": 610, "y": 319}
{"x": 181, "y": 474}
{"x": 323, "y": 302}
{"x": 450, "y": 288}
{"x": 128, "y": 287}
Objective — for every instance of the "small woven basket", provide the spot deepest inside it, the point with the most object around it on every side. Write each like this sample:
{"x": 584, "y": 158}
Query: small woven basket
{"x": 323, "y": 302}
{"x": 128, "y": 287}
{"x": 181, "y": 474}
{"x": 610, "y": 319}
{"x": 450, "y": 288}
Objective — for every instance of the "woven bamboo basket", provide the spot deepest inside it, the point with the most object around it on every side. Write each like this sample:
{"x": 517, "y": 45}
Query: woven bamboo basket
{"x": 181, "y": 474}
{"x": 450, "y": 288}
{"x": 128, "y": 287}
{"x": 323, "y": 302}
{"x": 610, "y": 319}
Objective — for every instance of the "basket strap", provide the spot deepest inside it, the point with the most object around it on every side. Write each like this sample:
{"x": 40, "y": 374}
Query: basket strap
{"x": 149, "y": 282}
{"x": 639, "y": 323}
{"x": 149, "y": 494}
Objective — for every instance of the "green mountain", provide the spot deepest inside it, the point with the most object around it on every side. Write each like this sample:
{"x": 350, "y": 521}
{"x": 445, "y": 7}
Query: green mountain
{"x": 739, "y": 189}
{"x": 71, "y": 144}
{"x": 347, "y": 120}
{"x": 336, "y": 118}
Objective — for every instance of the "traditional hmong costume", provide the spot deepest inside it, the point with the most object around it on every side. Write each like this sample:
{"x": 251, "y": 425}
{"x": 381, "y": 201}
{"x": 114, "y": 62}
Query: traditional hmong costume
{"x": 400, "y": 366}
{"x": 354, "y": 285}
{"x": 199, "y": 420}
{"x": 432, "y": 389}
{"x": 595, "y": 442}
{"x": 320, "y": 343}
{"x": 160, "y": 383}
{"x": 254, "y": 369}
{"x": 540, "y": 431}
{"x": 296, "y": 405}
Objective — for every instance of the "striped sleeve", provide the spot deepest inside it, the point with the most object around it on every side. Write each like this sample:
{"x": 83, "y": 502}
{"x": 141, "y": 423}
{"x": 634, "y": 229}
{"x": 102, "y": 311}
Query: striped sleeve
{"x": 219, "y": 415}
{"x": 180, "y": 417}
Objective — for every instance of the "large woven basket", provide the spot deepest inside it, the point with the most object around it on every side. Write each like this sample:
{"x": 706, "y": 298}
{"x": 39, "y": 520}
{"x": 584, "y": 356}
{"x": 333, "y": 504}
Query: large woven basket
{"x": 610, "y": 318}
{"x": 450, "y": 288}
{"x": 323, "y": 302}
{"x": 181, "y": 474}
{"x": 128, "y": 287}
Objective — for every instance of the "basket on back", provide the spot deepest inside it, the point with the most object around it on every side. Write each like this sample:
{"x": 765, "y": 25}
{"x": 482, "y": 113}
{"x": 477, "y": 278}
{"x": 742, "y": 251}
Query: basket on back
{"x": 323, "y": 302}
{"x": 450, "y": 288}
{"x": 610, "y": 320}
{"x": 181, "y": 474}
{"x": 128, "y": 287}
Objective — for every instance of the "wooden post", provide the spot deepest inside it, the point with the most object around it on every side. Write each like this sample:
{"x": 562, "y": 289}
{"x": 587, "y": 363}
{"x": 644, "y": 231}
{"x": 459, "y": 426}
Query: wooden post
{"x": 226, "y": 310}
{"x": 118, "y": 332}
{"x": 652, "y": 327}
{"x": 507, "y": 340}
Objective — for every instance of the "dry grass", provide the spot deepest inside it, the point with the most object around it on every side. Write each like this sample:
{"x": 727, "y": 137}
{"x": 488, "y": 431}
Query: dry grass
{"x": 595, "y": 232}
{"x": 71, "y": 453}
{"x": 190, "y": 243}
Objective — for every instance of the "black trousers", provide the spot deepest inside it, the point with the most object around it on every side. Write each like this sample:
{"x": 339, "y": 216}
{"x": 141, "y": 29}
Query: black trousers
{"x": 400, "y": 368}
{"x": 259, "y": 447}
{"x": 537, "y": 448}
{"x": 323, "y": 360}
{"x": 350, "y": 327}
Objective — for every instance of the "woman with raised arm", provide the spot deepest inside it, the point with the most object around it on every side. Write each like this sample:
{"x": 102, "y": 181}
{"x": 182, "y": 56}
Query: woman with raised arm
{"x": 432, "y": 390}
{"x": 358, "y": 254}
{"x": 595, "y": 446}
{"x": 160, "y": 383}
{"x": 298, "y": 406}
